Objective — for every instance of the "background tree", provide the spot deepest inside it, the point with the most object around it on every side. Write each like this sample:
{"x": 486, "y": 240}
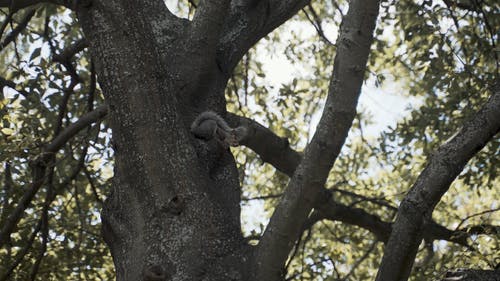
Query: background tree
{"x": 421, "y": 195}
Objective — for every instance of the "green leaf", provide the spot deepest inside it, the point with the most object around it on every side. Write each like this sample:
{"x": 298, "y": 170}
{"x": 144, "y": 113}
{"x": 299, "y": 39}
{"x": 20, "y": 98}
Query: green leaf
{"x": 35, "y": 54}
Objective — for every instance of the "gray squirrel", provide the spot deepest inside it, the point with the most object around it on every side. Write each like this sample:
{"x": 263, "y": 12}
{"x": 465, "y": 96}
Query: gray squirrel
{"x": 209, "y": 125}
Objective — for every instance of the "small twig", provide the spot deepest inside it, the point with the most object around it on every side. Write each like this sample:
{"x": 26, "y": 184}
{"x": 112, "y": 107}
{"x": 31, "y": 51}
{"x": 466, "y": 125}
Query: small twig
{"x": 316, "y": 22}
{"x": 16, "y": 30}
{"x": 358, "y": 262}
{"x": 475, "y": 215}
{"x": 20, "y": 256}
{"x": 364, "y": 198}
{"x": 263, "y": 197}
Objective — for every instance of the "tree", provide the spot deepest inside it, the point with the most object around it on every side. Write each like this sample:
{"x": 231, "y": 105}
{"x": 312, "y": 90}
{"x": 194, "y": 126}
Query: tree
{"x": 172, "y": 208}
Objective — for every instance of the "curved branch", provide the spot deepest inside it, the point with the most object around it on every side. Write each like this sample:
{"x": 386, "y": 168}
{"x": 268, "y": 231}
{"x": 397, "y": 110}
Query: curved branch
{"x": 247, "y": 23}
{"x": 70, "y": 51}
{"x": 70, "y": 131}
{"x": 315, "y": 20}
{"x": 18, "y": 29}
{"x": 335, "y": 211}
{"x": 442, "y": 168}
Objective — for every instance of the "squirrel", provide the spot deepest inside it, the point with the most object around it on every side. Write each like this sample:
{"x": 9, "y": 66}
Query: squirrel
{"x": 209, "y": 125}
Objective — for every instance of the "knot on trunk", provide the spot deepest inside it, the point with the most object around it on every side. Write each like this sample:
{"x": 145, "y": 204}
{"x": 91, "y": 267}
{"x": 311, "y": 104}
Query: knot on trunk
{"x": 155, "y": 273}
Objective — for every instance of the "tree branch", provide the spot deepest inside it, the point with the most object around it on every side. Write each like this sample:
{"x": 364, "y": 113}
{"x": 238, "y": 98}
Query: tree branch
{"x": 40, "y": 166}
{"x": 7, "y": 83}
{"x": 335, "y": 211}
{"x": 442, "y": 168}
{"x": 70, "y": 51}
{"x": 275, "y": 150}
{"x": 70, "y": 131}
{"x": 18, "y": 29}
{"x": 354, "y": 43}
{"x": 316, "y": 23}
{"x": 472, "y": 275}
{"x": 481, "y": 229}
{"x": 270, "y": 147}
{"x": 208, "y": 21}
{"x": 205, "y": 29}
{"x": 247, "y": 23}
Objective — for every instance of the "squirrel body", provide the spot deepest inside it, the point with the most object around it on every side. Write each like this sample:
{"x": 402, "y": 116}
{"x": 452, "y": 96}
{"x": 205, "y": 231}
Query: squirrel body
{"x": 209, "y": 125}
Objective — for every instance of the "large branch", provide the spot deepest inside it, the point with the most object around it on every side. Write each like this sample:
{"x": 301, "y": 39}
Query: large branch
{"x": 334, "y": 211}
{"x": 209, "y": 19}
{"x": 276, "y": 151}
{"x": 472, "y": 275}
{"x": 270, "y": 147}
{"x": 40, "y": 166}
{"x": 204, "y": 34}
{"x": 442, "y": 168}
{"x": 248, "y": 22}
{"x": 353, "y": 47}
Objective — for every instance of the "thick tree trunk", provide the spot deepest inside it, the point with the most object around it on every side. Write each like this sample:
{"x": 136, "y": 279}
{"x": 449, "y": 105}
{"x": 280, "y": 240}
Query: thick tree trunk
{"x": 174, "y": 210}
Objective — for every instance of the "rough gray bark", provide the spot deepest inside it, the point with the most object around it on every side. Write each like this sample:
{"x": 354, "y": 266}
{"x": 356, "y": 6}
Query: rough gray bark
{"x": 353, "y": 48}
{"x": 442, "y": 168}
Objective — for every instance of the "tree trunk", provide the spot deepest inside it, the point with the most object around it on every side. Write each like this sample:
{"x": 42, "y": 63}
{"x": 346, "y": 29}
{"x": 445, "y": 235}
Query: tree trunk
{"x": 174, "y": 211}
